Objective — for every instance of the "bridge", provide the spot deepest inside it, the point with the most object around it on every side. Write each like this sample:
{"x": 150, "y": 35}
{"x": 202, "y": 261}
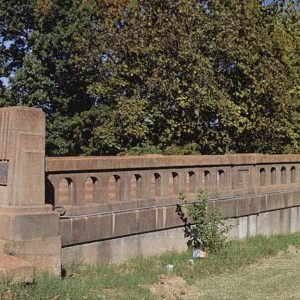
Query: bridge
{"x": 60, "y": 210}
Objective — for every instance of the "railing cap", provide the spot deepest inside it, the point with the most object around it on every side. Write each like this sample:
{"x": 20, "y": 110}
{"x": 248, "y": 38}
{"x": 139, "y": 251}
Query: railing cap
{"x": 90, "y": 163}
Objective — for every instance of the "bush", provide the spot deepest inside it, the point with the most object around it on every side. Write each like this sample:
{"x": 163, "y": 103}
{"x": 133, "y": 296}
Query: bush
{"x": 206, "y": 229}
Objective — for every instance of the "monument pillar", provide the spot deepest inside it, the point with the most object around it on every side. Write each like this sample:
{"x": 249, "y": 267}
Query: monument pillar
{"x": 28, "y": 227}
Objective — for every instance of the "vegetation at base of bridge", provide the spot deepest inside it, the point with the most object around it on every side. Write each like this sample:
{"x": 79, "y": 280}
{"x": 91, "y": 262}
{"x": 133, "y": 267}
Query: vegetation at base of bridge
{"x": 128, "y": 76}
{"x": 132, "y": 280}
{"x": 205, "y": 229}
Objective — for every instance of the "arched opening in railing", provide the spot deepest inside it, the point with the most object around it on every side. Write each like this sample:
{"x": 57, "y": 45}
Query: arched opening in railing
{"x": 262, "y": 177}
{"x": 114, "y": 188}
{"x": 50, "y": 193}
{"x": 221, "y": 179}
{"x": 173, "y": 184}
{"x": 90, "y": 188}
{"x": 155, "y": 185}
{"x": 65, "y": 191}
{"x": 273, "y": 175}
{"x": 136, "y": 186}
{"x": 283, "y": 178}
{"x": 293, "y": 174}
{"x": 206, "y": 179}
{"x": 190, "y": 183}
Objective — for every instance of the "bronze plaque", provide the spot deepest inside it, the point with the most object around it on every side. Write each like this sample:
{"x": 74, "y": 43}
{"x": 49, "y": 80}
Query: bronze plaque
{"x": 3, "y": 172}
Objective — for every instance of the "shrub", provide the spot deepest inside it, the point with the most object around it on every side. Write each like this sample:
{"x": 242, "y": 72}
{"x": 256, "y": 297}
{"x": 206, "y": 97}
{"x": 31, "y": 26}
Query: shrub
{"x": 206, "y": 229}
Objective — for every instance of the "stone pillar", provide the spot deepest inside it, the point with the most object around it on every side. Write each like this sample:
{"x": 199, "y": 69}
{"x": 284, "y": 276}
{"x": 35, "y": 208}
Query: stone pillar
{"x": 28, "y": 227}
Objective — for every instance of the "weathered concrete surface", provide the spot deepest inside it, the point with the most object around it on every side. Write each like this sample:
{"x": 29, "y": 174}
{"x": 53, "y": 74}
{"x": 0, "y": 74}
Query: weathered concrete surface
{"x": 28, "y": 228}
{"x": 113, "y": 199}
{"x": 125, "y": 248}
{"x": 22, "y": 146}
{"x": 15, "y": 269}
{"x": 90, "y": 163}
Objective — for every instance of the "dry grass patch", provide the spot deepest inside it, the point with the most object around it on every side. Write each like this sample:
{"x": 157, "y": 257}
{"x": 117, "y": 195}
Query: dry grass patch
{"x": 270, "y": 278}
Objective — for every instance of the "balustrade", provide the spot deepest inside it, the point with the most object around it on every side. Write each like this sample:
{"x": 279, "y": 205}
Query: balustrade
{"x": 118, "y": 183}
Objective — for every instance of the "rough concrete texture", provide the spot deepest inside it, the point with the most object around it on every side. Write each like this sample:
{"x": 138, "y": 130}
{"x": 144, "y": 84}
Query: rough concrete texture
{"x": 28, "y": 228}
{"x": 22, "y": 146}
{"x": 146, "y": 244}
{"x": 125, "y": 248}
{"x": 15, "y": 269}
{"x": 110, "y": 199}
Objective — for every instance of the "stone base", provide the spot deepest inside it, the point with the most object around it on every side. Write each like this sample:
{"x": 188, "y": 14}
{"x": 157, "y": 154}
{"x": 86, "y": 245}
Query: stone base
{"x": 33, "y": 235}
{"x": 15, "y": 269}
{"x": 43, "y": 254}
{"x": 125, "y": 248}
{"x": 118, "y": 250}
{"x": 282, "y": 221}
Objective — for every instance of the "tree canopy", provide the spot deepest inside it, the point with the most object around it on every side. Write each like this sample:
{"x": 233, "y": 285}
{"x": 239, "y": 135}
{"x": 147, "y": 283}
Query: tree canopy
{"x": 172, "y": 76}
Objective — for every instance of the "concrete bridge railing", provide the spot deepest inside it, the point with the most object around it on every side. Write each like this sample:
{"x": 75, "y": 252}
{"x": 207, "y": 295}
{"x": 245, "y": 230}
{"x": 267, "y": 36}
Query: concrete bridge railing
{"x": 117, "y": 197}
{"x": 101, "y": 184}
{"x": 120, "y": 207}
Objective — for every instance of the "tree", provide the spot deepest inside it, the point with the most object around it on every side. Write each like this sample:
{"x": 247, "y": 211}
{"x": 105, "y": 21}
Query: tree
{"x": 216, "y": 76}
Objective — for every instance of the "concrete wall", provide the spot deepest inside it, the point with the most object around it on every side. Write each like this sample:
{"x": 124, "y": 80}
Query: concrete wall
{"x": 121, "y": 207}
{"x": 120, "y": 249}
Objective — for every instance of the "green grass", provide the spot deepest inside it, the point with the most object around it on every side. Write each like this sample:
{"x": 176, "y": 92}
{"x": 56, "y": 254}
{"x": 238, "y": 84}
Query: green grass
{"x": 131, "y": 280}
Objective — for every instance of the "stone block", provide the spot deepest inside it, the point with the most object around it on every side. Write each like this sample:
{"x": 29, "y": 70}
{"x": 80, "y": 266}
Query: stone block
{"x": 264, "y": 203}
{"x": 243, "y": 205}
{"x": 146, "y": 220}
{"x": 15, "y": 269}
{"x": 66, "y": 232}
{"x": 275, "y": 201}
{"x": 106, "y": 224}
{"x": 296, "y": 198}
{"x": 171, "y": 217}
{"x": 228, "y": 207}
{"x": 160, "y": 218}
{"x": 6, "y": 226}
{"x": 255, "y": 204}
{"x": 43, "y": 254}
{"x": 125, "y": 223}
{"x": 34, "y": 226}
{"x": 93, "y": 228}
{"x": 288, "y": 198}
{"x": 79, "y": 230}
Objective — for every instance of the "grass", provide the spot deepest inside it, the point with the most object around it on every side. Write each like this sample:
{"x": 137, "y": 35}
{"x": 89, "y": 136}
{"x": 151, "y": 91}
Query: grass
{"x": 272, "y": 278}
{"x": 132, "y": 280}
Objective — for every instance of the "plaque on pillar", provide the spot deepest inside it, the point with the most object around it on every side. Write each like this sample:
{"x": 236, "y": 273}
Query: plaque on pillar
{"x": 3, "y": 172}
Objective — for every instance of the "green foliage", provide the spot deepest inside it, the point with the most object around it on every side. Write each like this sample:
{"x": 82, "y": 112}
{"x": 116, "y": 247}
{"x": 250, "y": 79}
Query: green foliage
{"x": 189, "y": 149}
{"x": 206, "y": 229}
{"x": 186, "y": 76}
{"x": 142, "y": 150}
